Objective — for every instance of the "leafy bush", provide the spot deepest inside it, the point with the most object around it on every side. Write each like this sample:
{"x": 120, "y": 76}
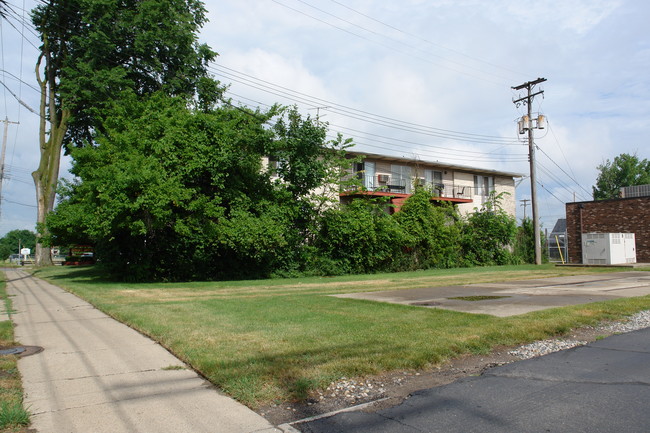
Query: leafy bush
{"x": 489, "y": 234}
{"x": 524, "y": 246}
{"x": 432, "y": 232}
{"x": 358, "y": 238}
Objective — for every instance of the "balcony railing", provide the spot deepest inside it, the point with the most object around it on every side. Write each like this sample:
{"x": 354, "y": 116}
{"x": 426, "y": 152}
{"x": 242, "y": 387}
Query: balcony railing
{"x": 438, "y": 189}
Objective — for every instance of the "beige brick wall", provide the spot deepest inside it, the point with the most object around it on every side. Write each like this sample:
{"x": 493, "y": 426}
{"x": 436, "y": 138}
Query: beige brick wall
{"x": 506, "y": 185}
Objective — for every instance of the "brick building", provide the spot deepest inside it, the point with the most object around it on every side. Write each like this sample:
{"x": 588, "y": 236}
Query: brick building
{"x": 623, "y": 215}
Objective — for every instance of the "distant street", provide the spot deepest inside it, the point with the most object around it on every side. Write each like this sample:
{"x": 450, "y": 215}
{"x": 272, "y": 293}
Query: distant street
{"x": 601, "y": 387}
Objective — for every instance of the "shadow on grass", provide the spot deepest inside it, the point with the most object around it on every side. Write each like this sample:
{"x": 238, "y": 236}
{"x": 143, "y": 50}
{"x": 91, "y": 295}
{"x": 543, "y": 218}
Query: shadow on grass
{"x": 87, "y": 274}
{"x": 293, "y": 375}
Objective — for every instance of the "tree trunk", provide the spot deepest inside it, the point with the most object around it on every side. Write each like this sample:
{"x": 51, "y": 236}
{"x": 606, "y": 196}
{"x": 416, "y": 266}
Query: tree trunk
{"x": 45, "y": 180}
{"x": 47, "y": 174}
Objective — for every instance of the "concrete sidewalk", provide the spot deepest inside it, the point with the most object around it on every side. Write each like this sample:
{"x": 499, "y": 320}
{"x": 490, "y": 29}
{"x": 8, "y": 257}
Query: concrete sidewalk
{"x": 98, "y": 375}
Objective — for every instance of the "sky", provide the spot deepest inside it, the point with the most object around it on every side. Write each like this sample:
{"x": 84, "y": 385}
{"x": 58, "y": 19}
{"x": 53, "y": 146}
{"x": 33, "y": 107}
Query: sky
{"x": 422, "y": 79}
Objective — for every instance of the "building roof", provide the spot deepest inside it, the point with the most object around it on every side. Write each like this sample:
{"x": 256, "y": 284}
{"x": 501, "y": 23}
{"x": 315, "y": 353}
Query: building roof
{"x": 439, "y": 164}
{"x": 560, "y": 226}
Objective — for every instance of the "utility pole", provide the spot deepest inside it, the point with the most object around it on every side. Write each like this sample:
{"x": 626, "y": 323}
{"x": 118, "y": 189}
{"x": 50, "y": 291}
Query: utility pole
{"x": 525, "y": 201}
{"x": 318, "y": 111}
{"x": 526, "y": 124}
{"x": 2, "y": 156}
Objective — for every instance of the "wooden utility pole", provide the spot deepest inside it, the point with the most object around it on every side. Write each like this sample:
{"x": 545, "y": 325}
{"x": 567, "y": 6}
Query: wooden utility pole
{"x": 2, "y": 156}
{"x": 527, "y": 125}
{"x": 525, "y": 205}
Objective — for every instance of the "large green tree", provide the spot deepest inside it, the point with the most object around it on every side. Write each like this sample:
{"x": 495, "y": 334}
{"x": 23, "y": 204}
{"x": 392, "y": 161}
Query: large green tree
{"x": 176, "y": 193}
{"x": 96, "y": 51}
{"x": 624, "y": 170}
{"x": 15, "y": 240}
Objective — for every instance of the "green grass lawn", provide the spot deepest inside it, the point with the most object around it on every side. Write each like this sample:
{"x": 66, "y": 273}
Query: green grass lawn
{"x": 12, "y": 415}
{"x": 276, "y": 340}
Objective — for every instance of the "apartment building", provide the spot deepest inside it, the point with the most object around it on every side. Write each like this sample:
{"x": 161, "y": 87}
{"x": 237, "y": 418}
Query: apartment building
{"x": 467, "y": 187}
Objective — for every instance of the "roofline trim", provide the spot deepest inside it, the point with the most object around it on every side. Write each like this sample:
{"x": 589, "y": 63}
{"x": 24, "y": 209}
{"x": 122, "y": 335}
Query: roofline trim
{"x": 438, "y": 164}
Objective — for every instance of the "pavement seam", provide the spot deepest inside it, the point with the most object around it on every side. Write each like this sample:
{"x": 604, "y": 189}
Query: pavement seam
{"x": 398, "y": 421}
{"x": 619, "y": 350}
{"x": 43, "y": 322}
{"x": 622, "y": 288}
{"x": 152, "y": 395}
{"x": 98, "y": 376}
{"x": 99, "y": 349}
{"x": 562, "y": 380}
{"x": 354, "y": 408}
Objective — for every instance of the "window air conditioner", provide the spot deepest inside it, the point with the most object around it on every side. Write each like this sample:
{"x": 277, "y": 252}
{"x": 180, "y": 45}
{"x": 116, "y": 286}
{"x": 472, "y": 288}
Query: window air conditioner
{"x": 382, "y": 178}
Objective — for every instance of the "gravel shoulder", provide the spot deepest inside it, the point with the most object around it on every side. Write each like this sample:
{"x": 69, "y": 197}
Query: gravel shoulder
{"x": 389, "y": 389}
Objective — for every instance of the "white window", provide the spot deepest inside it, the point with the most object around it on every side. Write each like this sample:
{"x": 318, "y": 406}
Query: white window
{"x": 483, "y": 185}
{"x": 365, "y": 171}
{"x": 433, "y": 177}
{"x": 369, "y": 179}
{"x": 400, "y": 178}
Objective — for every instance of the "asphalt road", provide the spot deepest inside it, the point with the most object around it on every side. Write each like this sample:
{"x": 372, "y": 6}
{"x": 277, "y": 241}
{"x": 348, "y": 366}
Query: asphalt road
{"x": 601, "y": 387}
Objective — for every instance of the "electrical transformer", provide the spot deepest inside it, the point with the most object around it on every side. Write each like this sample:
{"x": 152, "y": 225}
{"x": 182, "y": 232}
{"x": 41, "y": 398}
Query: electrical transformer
{"x": 608, "y": 248}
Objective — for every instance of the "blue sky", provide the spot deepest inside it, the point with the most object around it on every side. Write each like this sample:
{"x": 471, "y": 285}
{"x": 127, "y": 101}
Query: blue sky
{"x": 416, "y": 78}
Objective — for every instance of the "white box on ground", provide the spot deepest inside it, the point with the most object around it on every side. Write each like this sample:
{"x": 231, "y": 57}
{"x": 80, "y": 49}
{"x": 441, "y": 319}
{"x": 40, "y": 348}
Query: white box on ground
{"x": 608, "y": 248}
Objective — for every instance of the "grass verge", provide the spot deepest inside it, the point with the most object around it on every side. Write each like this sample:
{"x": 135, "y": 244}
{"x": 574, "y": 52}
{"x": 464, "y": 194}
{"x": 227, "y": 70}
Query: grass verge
{"x": 13, "y": 417}
{"x": 277, "y": 340}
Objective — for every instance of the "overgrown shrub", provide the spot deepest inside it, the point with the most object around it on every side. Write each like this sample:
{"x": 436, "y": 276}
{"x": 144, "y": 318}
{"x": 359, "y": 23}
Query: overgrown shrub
{"x": 524, "y": 245}
{"x": 489, "y": 234}
{"x": 358, "y": 238}
{"x": 433, "y": 232}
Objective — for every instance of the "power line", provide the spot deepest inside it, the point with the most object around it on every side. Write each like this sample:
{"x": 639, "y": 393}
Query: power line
{"x": 440, "y": 151}
{"x": 20, "y": 204}
{"x": 380, "y": 43}
{"x": 357, "y": 26}
{"x": 440, "y": 148}
{"x": 20, "y": 80}
{"x": 557, "y": 142}
{"x": 553, "y": 195}
{"x": 563, "y": 171}
{"x": 426, "y": 40}
{"x": 555, "y": 179}
{"x": 277, "y": 90}
{"x": 18, "y": 99}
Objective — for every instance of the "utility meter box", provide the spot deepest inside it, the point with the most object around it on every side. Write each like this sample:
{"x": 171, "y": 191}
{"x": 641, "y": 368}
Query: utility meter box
{"x": 608, "y": 248}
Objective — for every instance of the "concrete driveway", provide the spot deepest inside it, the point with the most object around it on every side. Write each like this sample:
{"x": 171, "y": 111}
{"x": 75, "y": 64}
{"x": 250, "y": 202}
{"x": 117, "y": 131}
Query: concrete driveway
{"x": 518, "y": 297}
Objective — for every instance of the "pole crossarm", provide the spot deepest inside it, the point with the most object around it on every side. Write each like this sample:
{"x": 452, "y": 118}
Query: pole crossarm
{"x": 529, "y": 84}
{"x": 531, "y": 96}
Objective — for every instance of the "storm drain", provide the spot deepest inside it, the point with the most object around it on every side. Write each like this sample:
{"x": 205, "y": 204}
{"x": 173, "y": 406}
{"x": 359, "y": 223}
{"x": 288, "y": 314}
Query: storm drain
{"x": 22, "y": 351}
{"x": 478, "y": 298}
{"x": 426, "y": 304}
{"x": 12, "y": 351}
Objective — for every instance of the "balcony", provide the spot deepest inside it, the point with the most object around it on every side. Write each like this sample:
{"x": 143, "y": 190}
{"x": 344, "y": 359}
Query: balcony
{"x": 385, "y": 185}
